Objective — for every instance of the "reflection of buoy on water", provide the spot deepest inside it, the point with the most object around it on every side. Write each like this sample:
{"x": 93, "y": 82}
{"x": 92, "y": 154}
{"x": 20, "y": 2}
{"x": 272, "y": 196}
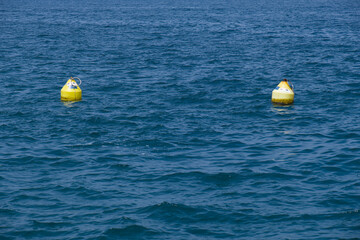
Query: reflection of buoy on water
{"x": 283, "y": 93}
{"x": 71, "y": 90}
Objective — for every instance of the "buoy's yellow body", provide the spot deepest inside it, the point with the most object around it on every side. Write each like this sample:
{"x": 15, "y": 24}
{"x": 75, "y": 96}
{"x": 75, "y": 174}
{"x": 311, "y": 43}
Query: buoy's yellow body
{"x": 283, "y": 93}
{"x": 71, "y": 91}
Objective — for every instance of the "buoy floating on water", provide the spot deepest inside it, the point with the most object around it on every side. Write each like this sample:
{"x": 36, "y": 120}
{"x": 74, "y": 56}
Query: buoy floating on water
{"x": 283, "y": 93}
{"x": 71, "y": 90}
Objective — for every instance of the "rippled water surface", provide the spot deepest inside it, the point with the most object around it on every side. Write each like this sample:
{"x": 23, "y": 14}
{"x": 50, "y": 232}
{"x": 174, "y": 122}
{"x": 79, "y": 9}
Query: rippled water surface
{"x": 176, "y": 136}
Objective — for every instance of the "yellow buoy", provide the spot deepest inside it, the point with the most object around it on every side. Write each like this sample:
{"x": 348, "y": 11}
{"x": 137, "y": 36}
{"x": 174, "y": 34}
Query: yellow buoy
{"x": 283, "y": 93}
{"x": 71, "y": 90}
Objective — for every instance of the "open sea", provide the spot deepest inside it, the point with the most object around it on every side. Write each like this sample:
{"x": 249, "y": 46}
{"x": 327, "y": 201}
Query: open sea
{"x": 176, "y": 136}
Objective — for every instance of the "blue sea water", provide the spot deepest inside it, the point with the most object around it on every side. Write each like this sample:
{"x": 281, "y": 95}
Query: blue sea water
{"x": 176, "y": 136}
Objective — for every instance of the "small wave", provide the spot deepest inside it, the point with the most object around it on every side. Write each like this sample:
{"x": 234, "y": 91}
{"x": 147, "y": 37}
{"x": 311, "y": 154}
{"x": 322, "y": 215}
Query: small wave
{"x": 37, "y": 234}
{"x": 176, "y": 212}
{"x": 50, "y": 225}
{"x": 120, "y": 166}
{"x": 276, "y": 176}
{"x": 165, "y": 207}
{"x": 131, "y": 232}
{"x": 152, "y": 143}
{"x": 340, "y": 215}
{"x": 225, "y": 178}
{"x": 5, "y": 212}
{"x": 217, "y": 178}
{"x": 66, "y": 162}
{"x": 180, "y": 176}
{"x": 82, "y": 192}
{"x": 207, "y": 233}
